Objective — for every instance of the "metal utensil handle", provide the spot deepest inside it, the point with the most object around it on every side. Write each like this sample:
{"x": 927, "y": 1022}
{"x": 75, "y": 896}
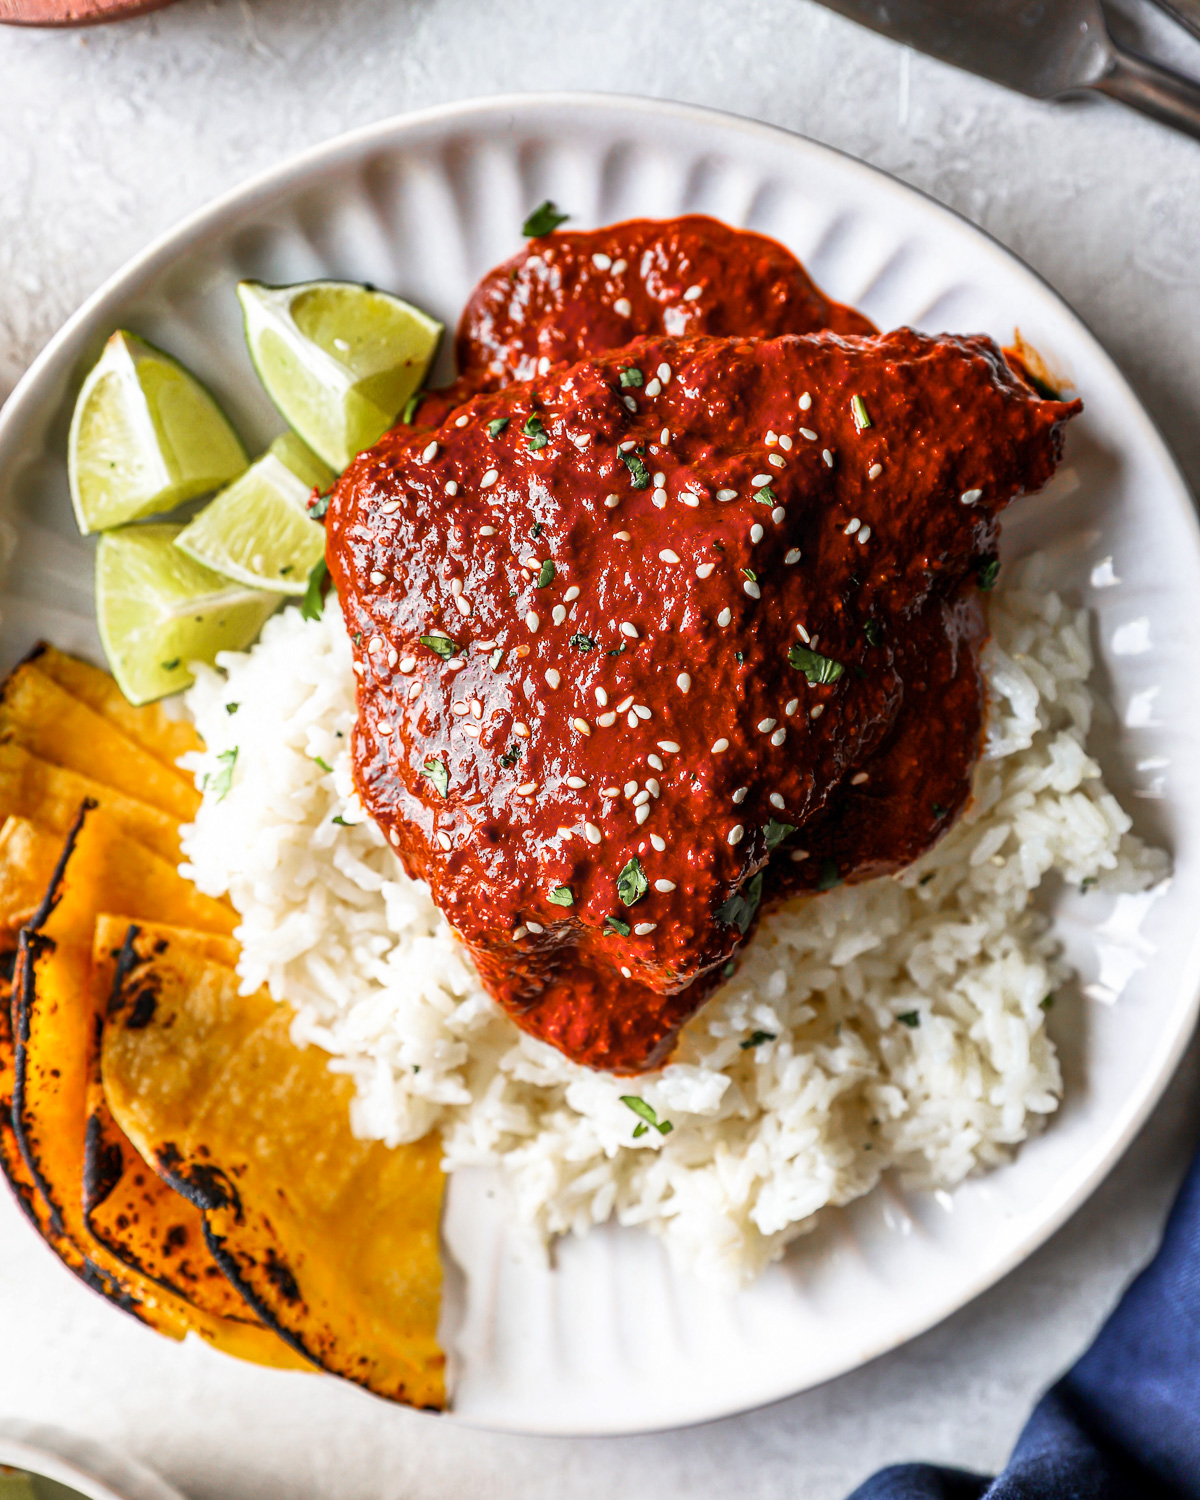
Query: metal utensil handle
{"x": 1166, "y": 95}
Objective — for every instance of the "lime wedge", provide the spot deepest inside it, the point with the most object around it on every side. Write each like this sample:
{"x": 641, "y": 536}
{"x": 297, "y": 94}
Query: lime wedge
{"x": 258, "y": 530}
{"x": 157, "y": 610}
{"x": 145, "y": 436}
{"x": 339, "y": 360}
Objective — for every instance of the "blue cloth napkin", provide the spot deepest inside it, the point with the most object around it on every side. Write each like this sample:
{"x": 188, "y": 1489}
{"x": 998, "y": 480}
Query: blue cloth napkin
{"x": 1124, "y": 1423}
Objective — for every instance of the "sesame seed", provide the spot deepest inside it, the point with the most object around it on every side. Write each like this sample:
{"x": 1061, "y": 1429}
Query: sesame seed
{"x": 610, "y": 791}
{"x": 628, "y": 973}
{"x": 601, "y": 261}
{"x": 760, "y": 479}
{"x": 606, "y": 721}
{"x": 618, "y": 265}
{"x": 629, "y": 630}
{"x": 653, "y": 387}
{"x": 456, "y": 663}
{"x": 828, "y": 457}
{"x": 375, "y": 644}
{"x": 852, "y": 526}
{"x": 689, "y": 499}
{"x": 777, "y": 460}
{"x": 630, "y": 788}
{"x": 969, "y": 497}
{"x": 643, "y": 929}
{"x": 632, "y": 719}
{"x": 778, "y": 737}
{"x": 660, "y": 479}
{"x": 807, "y": 432}
{"x": 654, "y": 762}
{"x": 874, "y": 471}
{"x": 519, "y": 933}
{"x": 803, "y": 634}
{"x": 572, "y": 593}
{"x": 734, "y": 836}
{"x": 429, "y": 452}
{"x": 489, "y": 479}
{"x": 552, "y": 677}
{"x": 664, "y": 436}
{"x": 463, "y": 604}
{"x": 394, "y": 836}
{"x": 620, "y": 536}
{"x": 452, "y": 487}
{"x": 704, "y": 570}
{"x": 864, "y": 536}
{"x": 752, "y": 589}
{"x": 521, "y": 730}
{"x": 669, "y": 746}
{"x": 815, "y": 713}
{"x": 659, "y": 498}
{"x": 623, "y": 307}
{"x": 776, "y": 800}
{"x": 642, "y": 814}
{"x": 653, "y": 787}
{"x": 612, "y": 501}
{"x": 601, "y": 697}
{"x": 583, "y": 726}
{"x": 630, "y": 403}
{"x": 413, "y": 692}
{"x": 577, "y": 782}
{"x": 535, "y": 927}
{"x": 792, "y": 705}
{"x": 458, "y": 708}
{"x": 664, "y": 885}
{"x": 520, "y": 650}
{"x": 408, "y": 664}
{"x": 724, "y": 495}
{"x": 683, "y": 682}
{"x": 444, "y": 840}
{"x": 692, "y": 293}
{"x": 756, "y": 532}
{"x": 461, "y": 421}
{"x": 376, "y": 578}
{"x": 858, "y": 779}
{"x": 626, "y": 446}
{"x": 740, "y": 795}
{"x": 526, "y": 788}
{"x": 558, "y": 614}
{"x": 544, "y": 364}
{"x": 805, "y": 402}
{"x": 770, "y": 438}
{"x": 720, "y": 746}
{"x": 793, "y": 556}
{"x": 667, "y": 556}
{"x": 725, "y": 617}
{"x": 641, "y": 799}
{"x": 659, "y": 844}
{"x": 778, "y": 515}
{"x": 641, "y": 710}
{"x": 592, "y": 833}
{"x": 785, "y": 442}
{"x": 487, "y": 531}
{"x": 765, "y": 726}
{"x": 624, "y": 704}
{"x": 532, "y": 620}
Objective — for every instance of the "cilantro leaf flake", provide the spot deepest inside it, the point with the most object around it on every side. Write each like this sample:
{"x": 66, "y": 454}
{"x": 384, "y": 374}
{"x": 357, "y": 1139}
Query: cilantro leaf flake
{"x": 441, "y": 645}
{"x": 648, "y": 1114}
{"x": 435, "y": 771}
{"x": 543, "y": 220}
{"x": 632, "y": 884}
{"x": 738, "y": 911}
{"x": 817, "y": 668}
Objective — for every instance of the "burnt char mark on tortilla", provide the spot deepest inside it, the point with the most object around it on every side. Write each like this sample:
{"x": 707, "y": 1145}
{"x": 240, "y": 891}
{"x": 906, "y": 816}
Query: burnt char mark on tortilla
{"x": 103, "y": 1166}
{"x": 206, "y": 1187}
{"x": 232, "y": 1270}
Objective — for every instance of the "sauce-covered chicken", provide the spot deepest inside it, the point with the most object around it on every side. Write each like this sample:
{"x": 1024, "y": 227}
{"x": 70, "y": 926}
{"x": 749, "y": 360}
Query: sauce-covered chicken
{"x": 633, "y": 634}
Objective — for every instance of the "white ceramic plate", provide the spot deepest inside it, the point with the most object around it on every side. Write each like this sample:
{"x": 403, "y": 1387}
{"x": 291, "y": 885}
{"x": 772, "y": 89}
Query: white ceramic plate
{"x": 611, "y": 1340}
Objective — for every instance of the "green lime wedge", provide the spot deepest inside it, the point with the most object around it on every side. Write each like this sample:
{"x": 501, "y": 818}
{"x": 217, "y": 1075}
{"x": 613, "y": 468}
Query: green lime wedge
{"x": 145, "y": 436}
{"x": 258, "y": 530}
{"x": 339, "y": 360}
{"x": 157, "y": 610}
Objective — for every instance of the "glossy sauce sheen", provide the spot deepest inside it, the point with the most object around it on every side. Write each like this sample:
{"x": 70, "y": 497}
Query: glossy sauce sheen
{"x": 452, "y": 530}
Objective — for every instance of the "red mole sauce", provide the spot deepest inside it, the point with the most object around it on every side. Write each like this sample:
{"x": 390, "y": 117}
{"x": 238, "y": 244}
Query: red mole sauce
{"x": 572, "y": 294}
{"x": 632, "y": 634}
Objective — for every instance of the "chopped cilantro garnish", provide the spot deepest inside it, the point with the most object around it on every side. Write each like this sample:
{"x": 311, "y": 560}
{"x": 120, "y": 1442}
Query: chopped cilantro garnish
{"x": 739, "y": 910}
{"x": 232, "y": 708}
{"x": 739, "y": 657}
{"x": 639, "y": 474}
{"x": 927, "y": 877}
{"x": 615, "y": 924}
{"x": 441, "y": 645}
{"x": 536, "y": 529}
{"x": 938, "y": 810}
{"x": 543, "y": 220}
{"x": 562, "y": 895}
{"x": 582, "y": 642}
{"x": 410, "y": 407}
{"x": 546, "y": 575}
{"x": 169, "y": 666}
{"x": 496, "y": 426}
{"x": 324, "y": 764}
{"x": 756, "y": 1039}
{"x": 648, "y": 1114}
{"x": 817, "y": 668}
{"x": 436, "y": 771}
{"x": 729, "y": 970}
{"x": 536, "y": 433}
{"x": 318, "y": 507}
{"x": 775, "y": 833}
{"x": 988, "y": 574}
{"x": 873, "y": 632}
{"x": 765, "y": 496}
{"x": 632, "y": 884}
{"x": 357, "y": 637}
{"x": 221, "y": 782}
{"x": 750, "y": 574}
{"x": 858, "y": 410}
{"x": 829, "y": 875}
{"x": 909, "y": 1018}
{"x": 1046, "y": 1002}
{"x": 340, "y": 821}
{"x": 632, "y": 376}
{"x": 511, "y": 756}
{"x": 314, "y": 599}
{"x": 617, "y": 650}
{"x": 497, "y": 658}
{"x": 1087, "y": 883}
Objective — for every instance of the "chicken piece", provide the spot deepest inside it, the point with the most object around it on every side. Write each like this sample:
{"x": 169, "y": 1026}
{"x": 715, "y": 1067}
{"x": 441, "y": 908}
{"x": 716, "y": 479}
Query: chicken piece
{"x": 619, "y": 646}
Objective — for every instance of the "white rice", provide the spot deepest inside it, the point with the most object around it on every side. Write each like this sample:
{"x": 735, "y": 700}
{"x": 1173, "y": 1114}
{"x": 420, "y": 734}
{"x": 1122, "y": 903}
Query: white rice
{"x": 763, "y": 1137}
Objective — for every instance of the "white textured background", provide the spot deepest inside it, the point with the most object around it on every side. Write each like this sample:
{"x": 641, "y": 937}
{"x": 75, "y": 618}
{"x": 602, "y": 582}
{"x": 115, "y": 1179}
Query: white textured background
{"x": 108, "y": 136}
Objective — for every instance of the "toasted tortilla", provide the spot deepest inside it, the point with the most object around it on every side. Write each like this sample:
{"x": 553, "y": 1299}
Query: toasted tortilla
{"x": 51, "y": 795}
{"x": 51, "y": 723}
{"x": 149, "y": 726}
{"x": 333, "y": 1241}
{"x": 127, "y": 1207}
{"x": 28, "y": 856}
